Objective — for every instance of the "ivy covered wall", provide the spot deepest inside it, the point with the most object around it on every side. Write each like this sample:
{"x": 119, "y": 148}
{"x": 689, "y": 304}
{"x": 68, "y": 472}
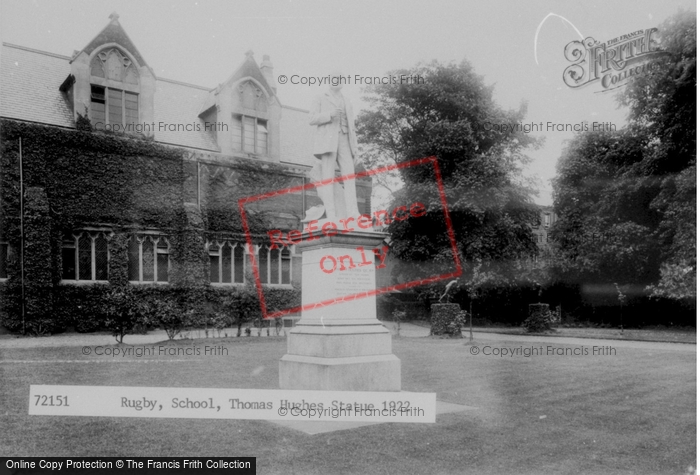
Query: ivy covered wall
{"x": 76, "y": 179}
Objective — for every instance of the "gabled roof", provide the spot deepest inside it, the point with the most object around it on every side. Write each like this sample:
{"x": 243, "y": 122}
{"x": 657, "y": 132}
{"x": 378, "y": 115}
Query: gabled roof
{"x": 113, "y": 33}
{"x": 249, "y": 68}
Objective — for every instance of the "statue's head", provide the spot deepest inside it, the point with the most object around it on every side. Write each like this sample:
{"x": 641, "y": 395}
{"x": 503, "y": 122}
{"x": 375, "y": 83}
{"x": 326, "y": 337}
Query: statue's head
{"x": 336, "y": 80}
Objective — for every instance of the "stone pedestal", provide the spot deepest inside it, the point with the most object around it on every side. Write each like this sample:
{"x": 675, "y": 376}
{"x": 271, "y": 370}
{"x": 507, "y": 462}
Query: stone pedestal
{"x": 341, "y": 345}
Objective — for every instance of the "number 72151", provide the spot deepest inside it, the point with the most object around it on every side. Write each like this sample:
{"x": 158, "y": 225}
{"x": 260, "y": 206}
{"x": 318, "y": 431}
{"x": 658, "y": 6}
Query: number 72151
{"x": 51, "y": 400}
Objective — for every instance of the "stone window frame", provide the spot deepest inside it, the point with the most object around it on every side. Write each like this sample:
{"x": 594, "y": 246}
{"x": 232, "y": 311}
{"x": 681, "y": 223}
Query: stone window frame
{"x": 125, "y": 88}
{"x": 284, "y": 258}
{"x": 256, "y": 111}
{"x": 283, "y": 254}
{"x": 155, "y": 239}
{"x": 239, "y": 145}
{"x": 217, "y": 249}
{"x": 95, "y": 268}
{"x": 214, "y": 250}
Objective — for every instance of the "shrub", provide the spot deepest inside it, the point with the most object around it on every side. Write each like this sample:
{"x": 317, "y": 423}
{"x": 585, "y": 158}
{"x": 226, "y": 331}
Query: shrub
{"x": 447, "y": 319}
{"x": 123, "y": 311}
{"x": 220, "y": 320}
{"x": 171, "y": 317}
{"x": 539, "y": 320}
{"x": 240, "y": 306}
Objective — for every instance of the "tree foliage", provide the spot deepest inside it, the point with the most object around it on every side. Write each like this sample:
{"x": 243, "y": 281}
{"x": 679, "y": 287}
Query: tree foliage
{"x": 447, "y": 115}
{"x": 625, "y": 199}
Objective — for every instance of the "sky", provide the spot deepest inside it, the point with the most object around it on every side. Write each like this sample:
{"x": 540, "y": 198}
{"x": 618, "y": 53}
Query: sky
{"x": 202, "y": 42}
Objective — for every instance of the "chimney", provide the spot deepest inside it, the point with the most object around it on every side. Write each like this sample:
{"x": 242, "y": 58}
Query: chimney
{"x": 266, "y": 69}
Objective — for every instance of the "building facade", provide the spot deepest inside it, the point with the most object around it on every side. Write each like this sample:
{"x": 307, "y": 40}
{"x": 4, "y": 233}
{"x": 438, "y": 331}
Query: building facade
{"x": 122, "y": 170}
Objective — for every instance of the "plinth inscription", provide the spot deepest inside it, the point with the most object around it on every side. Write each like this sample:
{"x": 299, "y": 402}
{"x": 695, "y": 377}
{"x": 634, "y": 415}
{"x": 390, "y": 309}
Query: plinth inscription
{"x": 354, "y": 280}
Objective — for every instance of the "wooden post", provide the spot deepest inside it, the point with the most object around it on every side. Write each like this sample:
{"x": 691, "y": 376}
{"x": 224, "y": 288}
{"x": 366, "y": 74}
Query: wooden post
{"x": 471, "y": 336}
{"x": 21, "y": 236}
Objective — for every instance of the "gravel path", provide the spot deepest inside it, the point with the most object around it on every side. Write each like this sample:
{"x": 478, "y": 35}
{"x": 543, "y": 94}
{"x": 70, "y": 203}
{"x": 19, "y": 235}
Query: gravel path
{"x": 408, "y": 330}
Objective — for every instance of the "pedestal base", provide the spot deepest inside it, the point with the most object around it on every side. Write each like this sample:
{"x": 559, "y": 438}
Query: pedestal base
{"x": 353, "y": 373}
{"x": 339, "y": 346}
{"x": 348, "y": 356}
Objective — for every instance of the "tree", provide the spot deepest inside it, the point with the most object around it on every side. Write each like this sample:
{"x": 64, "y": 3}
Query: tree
{"x": 663, "y": 104}
{"x": 447, "y": 115}
{"x": 605, "y": 226}
{"x": 123, "y": 311}
{"x": 676, "y": 202}
{"x": 625, "y": 200}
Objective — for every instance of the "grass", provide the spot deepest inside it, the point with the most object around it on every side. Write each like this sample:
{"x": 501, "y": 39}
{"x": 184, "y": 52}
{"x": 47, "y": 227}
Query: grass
{"x": 658, "y": 335}
{"x": 633, "y": 412}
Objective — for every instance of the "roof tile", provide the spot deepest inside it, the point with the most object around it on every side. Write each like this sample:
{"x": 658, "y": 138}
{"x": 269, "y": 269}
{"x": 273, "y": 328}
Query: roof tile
{"x": 29, "y": 82}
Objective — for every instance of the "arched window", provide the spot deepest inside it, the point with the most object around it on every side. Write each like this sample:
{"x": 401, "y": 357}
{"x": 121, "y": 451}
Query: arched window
{"x": 114, "y": 91}
{"x": 275, "y": 265}
{"x": 263, "y": 270}
{"x": 149, "y": 258}
{"x": 228, "y": 261}
{"x": 85, "y": 256}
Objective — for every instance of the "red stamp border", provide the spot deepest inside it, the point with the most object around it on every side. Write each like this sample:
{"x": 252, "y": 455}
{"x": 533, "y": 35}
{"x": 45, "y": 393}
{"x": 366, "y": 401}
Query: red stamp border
{"x": 367, "y": 173}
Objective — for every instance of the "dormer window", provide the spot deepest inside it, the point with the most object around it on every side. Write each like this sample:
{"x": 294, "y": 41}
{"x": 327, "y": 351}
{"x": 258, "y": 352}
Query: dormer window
{"x": 114, "y": 91}
{"x": 249, "y": 135}
{"x": 113, "y": 108}
{"x": 249, "y": 121}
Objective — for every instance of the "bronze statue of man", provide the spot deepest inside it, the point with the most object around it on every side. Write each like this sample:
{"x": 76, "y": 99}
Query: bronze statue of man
{"x": 335, "y": 143}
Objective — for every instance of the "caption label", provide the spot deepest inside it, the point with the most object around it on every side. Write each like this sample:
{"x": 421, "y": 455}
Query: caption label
{"x": 218, "y": 403}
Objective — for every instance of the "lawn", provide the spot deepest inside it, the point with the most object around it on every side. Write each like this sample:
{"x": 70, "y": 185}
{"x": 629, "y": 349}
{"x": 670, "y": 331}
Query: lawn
{"x": 670, "y": 334}
{"x": 676, "y": 335}
{"x": 633, "y": 412}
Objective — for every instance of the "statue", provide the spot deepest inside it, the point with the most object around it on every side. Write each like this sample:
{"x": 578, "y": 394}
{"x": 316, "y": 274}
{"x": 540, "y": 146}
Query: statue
{"x": 344, "y": 347}
{"x": 335, "y": 143}
{"x": 448, "y": 288}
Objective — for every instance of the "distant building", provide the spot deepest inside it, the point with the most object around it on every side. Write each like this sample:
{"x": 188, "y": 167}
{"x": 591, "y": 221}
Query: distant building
{"x": 541, "y": 232}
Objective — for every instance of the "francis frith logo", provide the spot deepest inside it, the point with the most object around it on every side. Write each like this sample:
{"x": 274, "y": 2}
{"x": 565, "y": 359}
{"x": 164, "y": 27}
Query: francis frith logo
{"x": 612, "y": 63}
